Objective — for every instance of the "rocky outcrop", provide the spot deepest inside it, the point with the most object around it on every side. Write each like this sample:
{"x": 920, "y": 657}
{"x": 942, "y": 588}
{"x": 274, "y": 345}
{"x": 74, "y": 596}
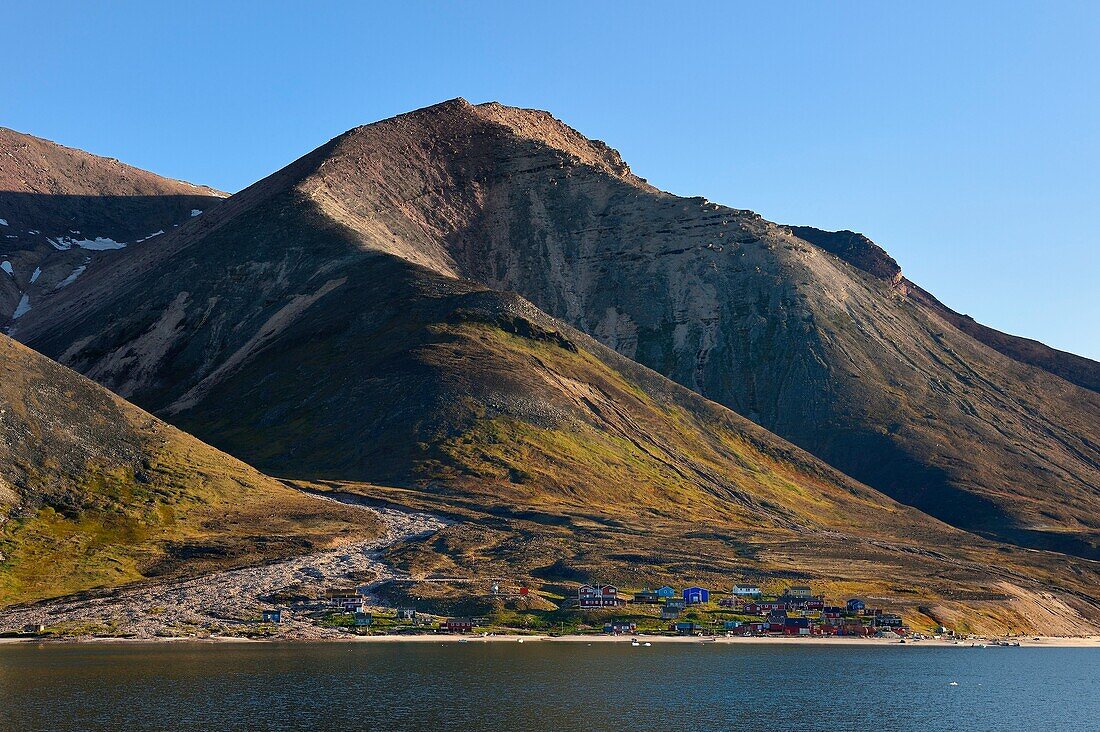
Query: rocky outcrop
{"x": 857, "y": 250}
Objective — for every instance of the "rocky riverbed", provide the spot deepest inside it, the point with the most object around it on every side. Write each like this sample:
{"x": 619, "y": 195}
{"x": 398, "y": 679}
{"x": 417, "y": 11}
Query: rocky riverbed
{"x": 230, "y": 602}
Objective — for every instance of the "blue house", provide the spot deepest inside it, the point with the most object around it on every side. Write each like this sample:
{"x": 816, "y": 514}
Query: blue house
{"x": 666, "y": 591}
{"x": 272, "y": 616}
{"x": 856, "y": 605}
{"x": 696, "y": 595}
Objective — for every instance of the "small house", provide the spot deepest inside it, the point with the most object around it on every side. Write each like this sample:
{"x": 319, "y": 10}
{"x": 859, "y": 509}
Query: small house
{"x": 271, "y": 616}
{"x": 599, "y": 596}
{"x": 362, "y": 620}
{"x": 620, "y": 626}
{"x": 677, "y": 603}
{"x": 800, "y": 591}
{"x": 647, "y": 597}
{"x": 348, "y": 601}
{"x": 745, "y": 591}
{"x": 406, "y": 613}
{"x": 457, "y": 625}
{"x": 665, "y": 592}
{"x": 856, "y": 606}
{"x": 766, "y": 606}
{"x": 685, "y": 628}
{"x": 796, "y": 626}
{"x": 696, "y": 595}
{"x": 34, "y": 628}
{"x": 731, "y": 624}
{"x": 887, "y": 620}
{"x": 669, "y": 613}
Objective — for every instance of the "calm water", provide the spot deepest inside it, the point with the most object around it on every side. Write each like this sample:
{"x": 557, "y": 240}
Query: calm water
{"x": 533, "y": 686}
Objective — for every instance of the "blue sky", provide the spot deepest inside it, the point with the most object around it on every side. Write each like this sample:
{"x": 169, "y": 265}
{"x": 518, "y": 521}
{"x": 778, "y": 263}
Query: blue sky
{"x": 965, "y": 140}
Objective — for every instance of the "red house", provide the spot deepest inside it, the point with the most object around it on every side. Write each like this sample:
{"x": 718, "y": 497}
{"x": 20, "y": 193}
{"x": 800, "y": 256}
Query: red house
{"x": 457, "y": 625}
{"x": 599, "y": 596}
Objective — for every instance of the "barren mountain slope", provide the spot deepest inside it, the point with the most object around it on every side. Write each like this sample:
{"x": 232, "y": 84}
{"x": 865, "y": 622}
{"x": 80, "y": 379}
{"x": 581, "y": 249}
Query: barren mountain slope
{"x": 96, "y": 493}
{"x": 854, "y": 367}
{"x": 64, "y": 211}
{"x": 281, "y": 332}
{"x": 863, "y": 253}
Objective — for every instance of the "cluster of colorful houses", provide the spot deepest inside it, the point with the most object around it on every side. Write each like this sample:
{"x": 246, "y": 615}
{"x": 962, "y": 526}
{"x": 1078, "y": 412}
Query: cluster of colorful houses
{"x": 797, "y": 611}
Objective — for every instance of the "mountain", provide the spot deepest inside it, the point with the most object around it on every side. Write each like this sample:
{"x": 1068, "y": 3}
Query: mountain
{"x": 819, "y": 339}
{"x": 346, "y": 321}
{"x": 64, "y": 211}
{"x": 96, "y": 493}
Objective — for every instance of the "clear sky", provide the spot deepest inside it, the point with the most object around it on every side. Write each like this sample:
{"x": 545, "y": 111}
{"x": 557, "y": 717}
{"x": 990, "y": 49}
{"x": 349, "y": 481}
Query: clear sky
{"x": 965, "y": 140}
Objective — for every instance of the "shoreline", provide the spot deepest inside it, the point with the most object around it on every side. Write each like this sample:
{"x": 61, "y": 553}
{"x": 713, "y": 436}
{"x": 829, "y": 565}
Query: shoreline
{"x": 820, "y": 641}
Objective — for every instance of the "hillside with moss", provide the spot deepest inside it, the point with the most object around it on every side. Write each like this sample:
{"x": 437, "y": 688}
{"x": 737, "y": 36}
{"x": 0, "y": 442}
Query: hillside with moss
{"x": 95, "y": 493}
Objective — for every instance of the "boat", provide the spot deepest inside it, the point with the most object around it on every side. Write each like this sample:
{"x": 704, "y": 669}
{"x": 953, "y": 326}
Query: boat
{"x": 647, "y": 644}
{"x": 634, "y": 642}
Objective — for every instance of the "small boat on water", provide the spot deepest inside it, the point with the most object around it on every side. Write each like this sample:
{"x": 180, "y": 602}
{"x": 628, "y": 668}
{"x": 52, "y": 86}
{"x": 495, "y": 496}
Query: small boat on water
{"x": 634, "y": 642}
{"x": 647, "y": 644}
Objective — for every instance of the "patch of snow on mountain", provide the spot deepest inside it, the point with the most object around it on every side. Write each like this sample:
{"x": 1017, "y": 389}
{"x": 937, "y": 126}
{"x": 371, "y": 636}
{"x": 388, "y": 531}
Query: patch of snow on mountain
{"x": 35, "y": 274}
{"x": 6, "y": 266}
{"x": 22, "y": 308}
{"x": 72, "y": 277}
{"x": 155, "y": 233}
{"x": 4, "y": 222}
{"x": 194, "y": 212}
{"x": 99, "y": 244}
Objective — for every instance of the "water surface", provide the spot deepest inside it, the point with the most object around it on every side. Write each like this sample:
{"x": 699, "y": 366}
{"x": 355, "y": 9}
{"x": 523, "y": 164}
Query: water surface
{"x": 545, "y": 686}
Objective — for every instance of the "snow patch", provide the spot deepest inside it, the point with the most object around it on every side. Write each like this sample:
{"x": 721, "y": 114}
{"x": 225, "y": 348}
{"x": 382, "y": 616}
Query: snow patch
{"x": 72, "y": 277}
{"x": 99, "y": 244}
{"x": 34, "y": 276}
{"x": 6, "y": 266}
{"x": 22, "y": 308}
{"x": 194, "y": 212}
{"x": 155, "y": 233}
{"x": 4, "y": 222}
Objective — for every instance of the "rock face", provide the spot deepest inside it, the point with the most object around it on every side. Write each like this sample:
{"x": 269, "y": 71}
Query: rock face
{"x": 64, "y": 212}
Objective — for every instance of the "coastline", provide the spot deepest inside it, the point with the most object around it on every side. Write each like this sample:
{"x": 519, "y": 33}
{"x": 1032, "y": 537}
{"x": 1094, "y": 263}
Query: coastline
{"x": 820, "y": 641}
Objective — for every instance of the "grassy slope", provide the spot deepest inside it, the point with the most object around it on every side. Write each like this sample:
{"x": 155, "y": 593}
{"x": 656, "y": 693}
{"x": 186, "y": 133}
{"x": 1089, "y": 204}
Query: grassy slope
{"x": 96, "y": 493}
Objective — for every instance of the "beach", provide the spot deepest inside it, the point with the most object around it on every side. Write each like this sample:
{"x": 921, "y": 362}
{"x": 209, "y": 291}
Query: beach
{"x": 822, "y": 641}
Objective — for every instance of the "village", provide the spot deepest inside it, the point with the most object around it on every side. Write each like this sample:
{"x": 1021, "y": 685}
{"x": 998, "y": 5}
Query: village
{"x": 742, "y": 610}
